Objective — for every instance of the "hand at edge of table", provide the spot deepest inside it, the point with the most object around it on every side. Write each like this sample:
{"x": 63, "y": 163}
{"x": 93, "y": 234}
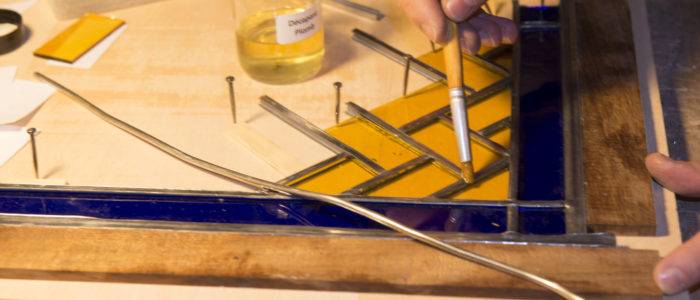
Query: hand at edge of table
{"x": 680, "y": 270}
{"x": 475, "y": 26}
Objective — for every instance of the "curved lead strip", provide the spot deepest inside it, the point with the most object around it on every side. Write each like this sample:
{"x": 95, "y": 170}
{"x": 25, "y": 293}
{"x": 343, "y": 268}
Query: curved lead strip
{"x": 285, "y": 190}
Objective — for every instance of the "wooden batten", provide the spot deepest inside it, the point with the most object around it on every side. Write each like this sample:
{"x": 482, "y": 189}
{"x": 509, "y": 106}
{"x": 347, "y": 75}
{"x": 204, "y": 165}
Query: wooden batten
{"x": 314, "y": 262}
{"x": 604, "y": 79}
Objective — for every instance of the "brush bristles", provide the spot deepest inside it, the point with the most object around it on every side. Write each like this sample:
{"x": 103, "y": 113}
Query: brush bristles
{"x": 468, "y": 172}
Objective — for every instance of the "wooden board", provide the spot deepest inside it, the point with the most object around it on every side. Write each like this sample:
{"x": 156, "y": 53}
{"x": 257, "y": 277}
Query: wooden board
{"x": 617, "y": 186}
{"x": 309, "y": 262}
{"x": 179, "y": 95}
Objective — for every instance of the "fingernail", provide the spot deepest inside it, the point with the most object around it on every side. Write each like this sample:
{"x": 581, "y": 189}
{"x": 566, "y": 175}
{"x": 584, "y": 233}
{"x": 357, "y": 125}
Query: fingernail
{"x": 663, "y": 161}
{"x": 671, "y": 281}
{"x": 469, "y": 49}
{"x": 457, "y": 10}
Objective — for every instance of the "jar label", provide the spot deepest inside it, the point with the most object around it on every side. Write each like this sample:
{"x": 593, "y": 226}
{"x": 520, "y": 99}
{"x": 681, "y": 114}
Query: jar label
{"x": 292, "y": 28}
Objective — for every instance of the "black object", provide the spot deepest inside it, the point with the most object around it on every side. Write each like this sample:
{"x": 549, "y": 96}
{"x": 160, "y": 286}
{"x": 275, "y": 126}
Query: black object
{"x": 14, "y": 39}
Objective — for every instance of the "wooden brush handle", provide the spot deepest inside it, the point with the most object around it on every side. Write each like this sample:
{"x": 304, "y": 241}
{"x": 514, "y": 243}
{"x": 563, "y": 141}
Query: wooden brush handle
{"x": 453, "y": 58}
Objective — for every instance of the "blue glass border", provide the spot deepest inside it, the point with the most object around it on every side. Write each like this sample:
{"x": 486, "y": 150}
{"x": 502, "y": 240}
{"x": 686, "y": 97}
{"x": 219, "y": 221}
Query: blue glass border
{"x": 540, "y": 136}
{"x": 256, "y": 209}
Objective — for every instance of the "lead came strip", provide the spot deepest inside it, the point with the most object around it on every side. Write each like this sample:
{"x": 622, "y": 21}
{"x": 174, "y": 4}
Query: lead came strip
{"x": 389, "y": 176}
{"x": 332, "y": 200}
{"x": 472, "y": 99}
{"x": 460, "y": 185}
{"x": 319, "y": 167}
{"x": 317, "y": 134}
{"x": 408, "y": 128}
{"x": 363, "y": 114}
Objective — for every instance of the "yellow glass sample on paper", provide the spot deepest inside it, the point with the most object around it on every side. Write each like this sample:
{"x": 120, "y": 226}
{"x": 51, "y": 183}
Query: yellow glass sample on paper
{"x": 79, "y": 38}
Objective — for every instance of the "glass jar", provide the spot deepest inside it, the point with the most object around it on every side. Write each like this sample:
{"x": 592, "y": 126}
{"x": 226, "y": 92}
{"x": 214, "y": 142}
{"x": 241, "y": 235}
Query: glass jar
{"x": 279, "y": 41}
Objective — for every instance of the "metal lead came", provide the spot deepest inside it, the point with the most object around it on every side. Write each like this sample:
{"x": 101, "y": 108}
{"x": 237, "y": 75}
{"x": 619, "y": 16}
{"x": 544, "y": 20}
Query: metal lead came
{"x": 337, "y": 86}
{"x": 232, "y": 96}
{"x": 32, "y": 133}
{"x": 408, "y": 58}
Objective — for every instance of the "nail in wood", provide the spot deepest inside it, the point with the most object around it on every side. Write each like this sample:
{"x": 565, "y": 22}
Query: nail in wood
{"x": 32, "y": 133}
{"x": 406, "y": 70}
{"x": 337, "y": 86}
{"x": 232, "y": 96}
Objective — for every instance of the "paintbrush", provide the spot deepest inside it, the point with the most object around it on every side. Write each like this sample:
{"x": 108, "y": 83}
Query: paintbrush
{"x": 455, "y": 83}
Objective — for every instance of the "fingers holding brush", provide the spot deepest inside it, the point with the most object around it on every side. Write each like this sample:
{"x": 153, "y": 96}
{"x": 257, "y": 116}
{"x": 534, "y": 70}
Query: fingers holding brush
{"x": 476, "y": 26}
{"x": 488, "y": 30}
{"x": 494, "y": 31}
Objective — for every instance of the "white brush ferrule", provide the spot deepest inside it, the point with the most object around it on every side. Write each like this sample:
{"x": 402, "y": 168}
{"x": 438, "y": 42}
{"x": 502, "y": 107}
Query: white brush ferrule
{"x": 459, "y": 121}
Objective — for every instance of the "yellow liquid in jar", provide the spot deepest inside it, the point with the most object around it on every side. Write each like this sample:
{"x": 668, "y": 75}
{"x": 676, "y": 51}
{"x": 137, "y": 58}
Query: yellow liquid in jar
{"x": 265, "y": 60}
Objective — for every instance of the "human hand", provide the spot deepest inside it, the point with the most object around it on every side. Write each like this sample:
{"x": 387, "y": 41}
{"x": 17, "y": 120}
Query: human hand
{"x": 680, "y": 270}
{"x": 479, "y": 28}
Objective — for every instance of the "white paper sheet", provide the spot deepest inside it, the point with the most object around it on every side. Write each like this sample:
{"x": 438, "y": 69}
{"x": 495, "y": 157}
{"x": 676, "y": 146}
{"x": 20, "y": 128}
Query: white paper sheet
{"x": 12, "y": 139}
{"x": 18, "y": 6}
{"x": 20, "y": 98}
{"x": 7, "y": 73}
{"x": 90, "y": 58}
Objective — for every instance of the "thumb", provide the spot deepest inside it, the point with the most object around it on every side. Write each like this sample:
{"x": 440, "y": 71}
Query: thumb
{"x": 681, "y": 177}
{"x": 679, "y": 270}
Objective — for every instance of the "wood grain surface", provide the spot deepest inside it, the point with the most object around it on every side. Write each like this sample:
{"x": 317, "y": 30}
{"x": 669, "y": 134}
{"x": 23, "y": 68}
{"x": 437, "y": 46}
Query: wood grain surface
{"x": 308, "y": 262}
{"x": 617, "y": 186}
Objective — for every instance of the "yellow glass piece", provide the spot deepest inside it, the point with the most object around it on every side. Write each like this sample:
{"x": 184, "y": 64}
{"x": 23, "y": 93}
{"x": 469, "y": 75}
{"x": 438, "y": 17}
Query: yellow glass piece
{"x": 337, "y": 179}
{"x": 440, "y": 138}
{"x": 496, "y": 187}
{"x": 389, "y": 152}
{"x": 419, "y": 183}
{"x": 372, "y": 143}
{"x": 74, "y": 41}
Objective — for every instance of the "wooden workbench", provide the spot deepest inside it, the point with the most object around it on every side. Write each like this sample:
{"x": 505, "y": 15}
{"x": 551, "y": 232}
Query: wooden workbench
{"x": 179, "y": 94}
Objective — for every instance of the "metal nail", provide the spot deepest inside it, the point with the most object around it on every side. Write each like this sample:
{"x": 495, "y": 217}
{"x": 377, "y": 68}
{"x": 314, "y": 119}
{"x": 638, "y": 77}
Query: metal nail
{"x": 408, "y": 58}
{"x": 337, "y": 86}
{"x": 32, "y": 133}
{"x": 232, "y": 97}
{"x": 432, "y": 46}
